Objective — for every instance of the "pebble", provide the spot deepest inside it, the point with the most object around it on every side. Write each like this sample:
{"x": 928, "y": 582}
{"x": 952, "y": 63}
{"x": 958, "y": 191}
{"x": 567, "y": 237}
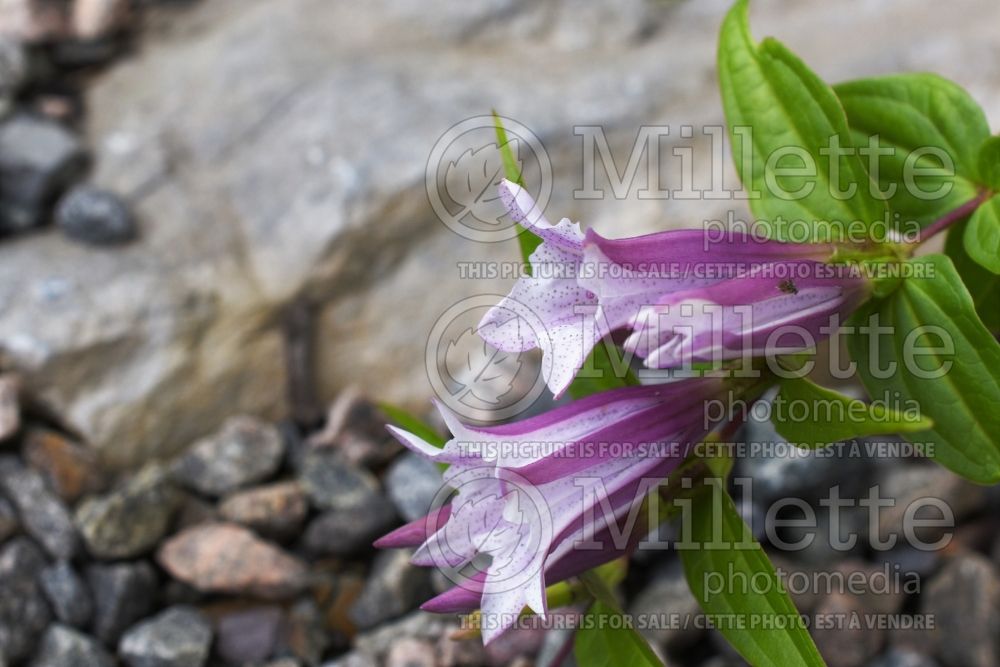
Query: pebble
{"x": 70, "y": 469}
{"x": 63, "y": 646}
{"x": 194, "y": 510}
{"x": 303, "y": 635}
{"x": 353, "y": 659}
{"x": 67, "y": 594}
{"x": 246, "y": 451}
{"x": 277, "y": 510}
{"x": 910, "y": 485}
{"x": 226, "y": 558}
{"x": 13, "y": 71}
{"x": 463, "y": 652}
{"x": 356, "y": 429}
{"x": 841, "y": 643}
{"x": 8, "y": 520}
{"x": 411, "y": 652}
{"x": 34, "y": 21}
{"x": 964, "y": 599}
{"x": 123, "y": 594}
{"x": 248, "y": 635}
{"x": 413, "y": 482}
{"x": 896, "y": 657}
{"x": 782, "y": 470}
{"x": 177, "y": 637}
{"x": 42, "y": 513}
{"x": 667, "y": 593}
{"x": 333, "y": 484}
{"x": 24, "y": 614}
{"x": 394, "y": 587}
{"x": 94, "y": 19}
{"x": 131, "y": 520}
{"x": 38, "y": 159}
{"x": 94, "y": 216}
{"x": 347, "y": 533}
{"x": 10, "y": 406}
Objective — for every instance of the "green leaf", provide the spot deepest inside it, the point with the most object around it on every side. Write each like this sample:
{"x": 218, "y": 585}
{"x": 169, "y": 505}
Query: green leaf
{"x": 983, "y": 286}
{"x": 982, "y": 236}
{"x": 925, "y": 113}
{"x": 414, "y": 425}
{"x": 989, "y": 162}
{"x": 525, "y": 238}
{"x": 928, "y": 312}
{"x": 606, "y": 639}
{"x": 765, "y": 627}
{"x": 793, "y": 114}
{"x": 600, "y": 373}
{"x": 809, "y": 415}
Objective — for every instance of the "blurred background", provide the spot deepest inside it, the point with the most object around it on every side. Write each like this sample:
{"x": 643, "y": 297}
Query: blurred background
{"x": 218, "y": 208}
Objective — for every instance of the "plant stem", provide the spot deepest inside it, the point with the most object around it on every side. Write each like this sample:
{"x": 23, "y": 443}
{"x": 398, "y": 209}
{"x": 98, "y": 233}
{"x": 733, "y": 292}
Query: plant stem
{"x": 950, "y": 218}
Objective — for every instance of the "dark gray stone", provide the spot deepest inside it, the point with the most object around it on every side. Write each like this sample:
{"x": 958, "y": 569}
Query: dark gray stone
{"x": 38, "y": 158}
{"x": 8, "y": 520}
{"x": 246, "y": 451}
{"x": 303, "y": 634}
{"x": 24, "y": 613}
{"x": 123, "y": 594}
{"x": 94, "y": 216}
{"x": 394, "y": 587}
{"x": 13, "y": 71}
{"x": 42, "y": 513}
{"x": 897, "y": 657}
{"x": 63, "y": 646}
{"x": 333, "y": 484}
{"x": 177, "y": 637}
{"x": 413, "y": 482}
{"x": 851, "y": 644}
{"x": 67, "y": 594}
{"x": 131, "y": 520}
{"x": 346, "y": 533}
{"x": 248, "y": 635}
{"x": 667, "y": 593}
{"x": 964, "y": 600}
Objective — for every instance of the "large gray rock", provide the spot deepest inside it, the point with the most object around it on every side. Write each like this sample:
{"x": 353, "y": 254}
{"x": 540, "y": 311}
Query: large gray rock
{"x": 131, "y": 520}
{"x": 67, "y": 594}
{"x": 42, "y": 513}
{"x": 244, "y": 452}
{"x": 291, "y": 170}
{"x": 38, "y": 158}
{"x": 177, "y": 637}
{"x": 23, "y": 611}
{"x": 65, "y": 647}
{"x": 123, "y": 594}
{"x": 964, "y": 600}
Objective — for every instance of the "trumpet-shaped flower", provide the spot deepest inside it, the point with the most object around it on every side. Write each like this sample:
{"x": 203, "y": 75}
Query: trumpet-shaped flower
{"x": 537, "y": 501}
{"x": 682, "y": 294}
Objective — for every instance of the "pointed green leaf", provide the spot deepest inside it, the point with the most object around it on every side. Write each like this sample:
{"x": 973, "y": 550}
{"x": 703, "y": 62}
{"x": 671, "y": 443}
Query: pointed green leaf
{"x": 414, "y": 425}
{"x": 809, "y": 415}
{"x": 765, "y": 628}
{"x": 982, "y": 236}
{"x": 606, "y": 640}
{"x": 919, "y": 117}
{"x": 792, "y": 115}
{"x": 989, "y": 163}
{"x": 983, "y": 286}
{"x": 934, "y": 328}
{"x": 601, "y": 373}
{"x": 525, "y": 238}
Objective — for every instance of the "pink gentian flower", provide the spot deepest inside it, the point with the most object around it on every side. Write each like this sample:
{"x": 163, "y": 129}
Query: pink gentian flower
{"x": 529, "y": 493}
{"x": 682, "y": 296}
